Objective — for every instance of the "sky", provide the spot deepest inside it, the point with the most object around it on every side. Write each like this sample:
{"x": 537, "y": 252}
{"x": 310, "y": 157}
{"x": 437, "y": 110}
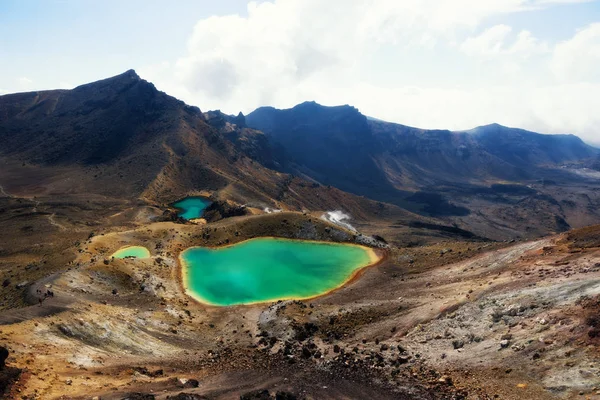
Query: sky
{"x": 440, "y": 64}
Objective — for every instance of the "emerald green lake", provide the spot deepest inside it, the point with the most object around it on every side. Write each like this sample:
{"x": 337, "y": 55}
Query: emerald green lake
{"x": 191, "y": 207}
{"x": 269, "y": 269}
{"x": 132, "y": 251}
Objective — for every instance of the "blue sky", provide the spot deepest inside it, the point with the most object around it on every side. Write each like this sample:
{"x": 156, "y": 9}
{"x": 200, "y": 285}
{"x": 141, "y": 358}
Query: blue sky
{"x": 54, "y": 42}
{"x": 431, "y": 63}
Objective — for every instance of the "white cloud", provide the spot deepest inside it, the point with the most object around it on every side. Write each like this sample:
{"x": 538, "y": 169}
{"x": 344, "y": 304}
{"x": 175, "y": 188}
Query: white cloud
{"x": 493, "y": 43}
{"x": 578, "y": 59}
{"x": 490, "y": 42}
{"x": 569, "y": 108}
{"x": 546, "y": 2}
{"x": 526, "y": 44}
{"x": 24, "y": 83}
{"x": 288, "y": 51}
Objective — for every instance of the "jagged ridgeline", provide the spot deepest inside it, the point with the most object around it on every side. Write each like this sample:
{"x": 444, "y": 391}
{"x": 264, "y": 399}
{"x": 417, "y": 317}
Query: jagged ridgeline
{"x": 124, "y": 138}
{"x": 121, "y": 137}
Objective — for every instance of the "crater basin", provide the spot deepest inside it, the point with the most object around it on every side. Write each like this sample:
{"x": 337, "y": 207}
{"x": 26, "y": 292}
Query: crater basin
{"x": 270, "y": 269}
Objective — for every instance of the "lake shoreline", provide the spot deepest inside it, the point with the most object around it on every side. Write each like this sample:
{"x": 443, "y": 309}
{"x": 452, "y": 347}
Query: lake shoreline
{"x": 375, "y": 257}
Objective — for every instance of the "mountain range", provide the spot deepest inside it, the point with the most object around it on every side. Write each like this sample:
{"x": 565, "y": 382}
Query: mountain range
{"x": 465, "y": 291}
{"x": 123, "y": 138}
{"x": 342, "y": 147}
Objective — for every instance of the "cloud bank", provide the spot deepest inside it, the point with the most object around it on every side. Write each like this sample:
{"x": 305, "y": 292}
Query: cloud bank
{"x": 426, "y": 63}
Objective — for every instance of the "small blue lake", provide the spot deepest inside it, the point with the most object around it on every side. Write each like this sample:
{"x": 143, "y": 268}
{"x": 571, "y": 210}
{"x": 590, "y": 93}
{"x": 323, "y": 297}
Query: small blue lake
{"x": 191, "y": 207}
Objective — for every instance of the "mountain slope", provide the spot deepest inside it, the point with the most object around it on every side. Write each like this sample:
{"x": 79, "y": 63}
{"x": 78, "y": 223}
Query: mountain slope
{"x": 524, "y": 148}
{"x": 122, "y": 131}
{"x": 121, "y": 138}
{"x": 322, "y": 144}
{"x": 352, "y": 148}
{"x": 90, "y": 124}
{"x": 468, "y": 177}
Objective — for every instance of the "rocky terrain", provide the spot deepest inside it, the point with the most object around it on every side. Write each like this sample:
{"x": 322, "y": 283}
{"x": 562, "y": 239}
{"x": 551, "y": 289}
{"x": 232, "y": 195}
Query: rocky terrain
{"x": 453, "y": 319}
{"x": 484, "y": 290}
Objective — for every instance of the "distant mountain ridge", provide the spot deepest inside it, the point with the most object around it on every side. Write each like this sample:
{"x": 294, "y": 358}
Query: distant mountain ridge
{"x": 323, "y": 143}
{"x": 122, "y": 138}
{"x": 519, "y": 145}
{"x": 492, "y": 180}
{"x": 397, "y": 157}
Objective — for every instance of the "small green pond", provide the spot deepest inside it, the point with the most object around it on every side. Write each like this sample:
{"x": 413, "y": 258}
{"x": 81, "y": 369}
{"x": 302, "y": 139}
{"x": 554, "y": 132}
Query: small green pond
{"x": 191, "y": 207}
{"x": 269, "y": 269}
{"x": 132, "y": 251}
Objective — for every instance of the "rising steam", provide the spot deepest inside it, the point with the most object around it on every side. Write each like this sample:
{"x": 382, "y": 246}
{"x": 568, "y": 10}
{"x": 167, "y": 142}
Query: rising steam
{"x": 339, "y": 218}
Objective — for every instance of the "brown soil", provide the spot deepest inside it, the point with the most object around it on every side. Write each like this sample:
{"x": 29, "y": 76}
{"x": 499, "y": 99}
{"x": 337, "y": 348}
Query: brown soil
{"x": 453, "y": 319}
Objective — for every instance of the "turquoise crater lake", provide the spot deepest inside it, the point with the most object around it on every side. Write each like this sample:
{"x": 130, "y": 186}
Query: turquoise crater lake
{"x": 132, "y": 251}
{"x": 270, "y": 269}
{"x": 191, "y": 207}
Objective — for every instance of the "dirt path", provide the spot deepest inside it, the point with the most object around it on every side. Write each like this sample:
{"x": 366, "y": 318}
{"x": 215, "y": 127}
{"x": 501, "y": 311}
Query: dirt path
{"x": 54, "y": 223}
{"x": 34, "y": 209}
{"x": 3, "y": 192}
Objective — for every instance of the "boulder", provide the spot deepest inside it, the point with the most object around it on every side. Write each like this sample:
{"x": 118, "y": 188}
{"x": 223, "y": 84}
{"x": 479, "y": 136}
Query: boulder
{"x": 139, "y": 396}
{"x": 261, "y": 394}
{"x": 187, "y": 396}
{"x": 285, "y": 396}
{"x": 3, "y": 357}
